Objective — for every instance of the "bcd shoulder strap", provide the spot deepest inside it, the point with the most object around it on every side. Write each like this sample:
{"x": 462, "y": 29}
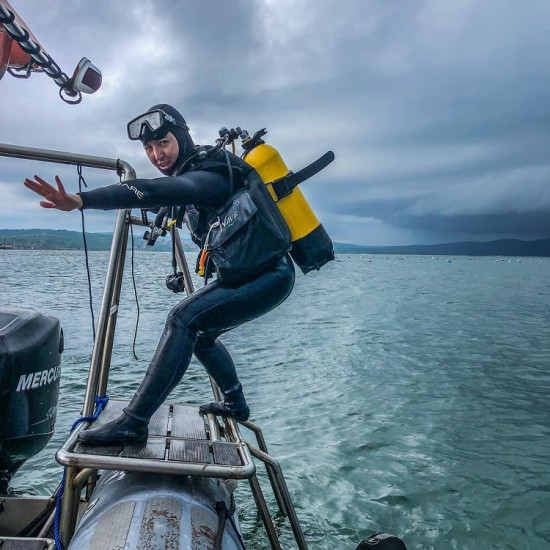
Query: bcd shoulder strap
{"x": 285, "y": 185}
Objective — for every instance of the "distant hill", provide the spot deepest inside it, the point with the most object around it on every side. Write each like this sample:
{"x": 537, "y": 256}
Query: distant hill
{"x": 502, "y": 247}
{"x": 60, "y": 239}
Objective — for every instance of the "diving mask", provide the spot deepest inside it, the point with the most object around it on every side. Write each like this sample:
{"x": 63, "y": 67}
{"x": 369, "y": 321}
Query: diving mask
{"x": 154, "y": 123}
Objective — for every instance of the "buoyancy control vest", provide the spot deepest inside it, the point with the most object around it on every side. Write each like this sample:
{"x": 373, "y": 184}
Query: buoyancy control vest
{"x": 245, "y": 235}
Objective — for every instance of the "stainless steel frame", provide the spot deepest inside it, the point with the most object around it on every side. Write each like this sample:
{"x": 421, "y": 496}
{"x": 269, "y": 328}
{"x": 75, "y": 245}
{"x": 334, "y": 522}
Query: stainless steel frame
{"x": 70, "y": 459}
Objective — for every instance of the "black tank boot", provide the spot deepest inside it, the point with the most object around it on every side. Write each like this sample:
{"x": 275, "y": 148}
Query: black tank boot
{"x": 165, "y": 371}
{"x": 124, "y": 429}
{"x": 233, "y": 405}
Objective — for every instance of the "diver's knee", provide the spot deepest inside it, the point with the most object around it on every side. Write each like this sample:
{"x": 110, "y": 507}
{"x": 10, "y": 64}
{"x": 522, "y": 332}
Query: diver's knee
{"x": 178, "y": 319}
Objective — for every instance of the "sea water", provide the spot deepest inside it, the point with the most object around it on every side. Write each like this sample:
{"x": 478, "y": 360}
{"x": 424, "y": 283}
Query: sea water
{"x": 407, "y": 394}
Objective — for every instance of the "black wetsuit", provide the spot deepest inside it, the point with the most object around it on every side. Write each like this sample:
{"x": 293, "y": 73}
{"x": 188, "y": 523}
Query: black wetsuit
{"x": 194, "y": 325}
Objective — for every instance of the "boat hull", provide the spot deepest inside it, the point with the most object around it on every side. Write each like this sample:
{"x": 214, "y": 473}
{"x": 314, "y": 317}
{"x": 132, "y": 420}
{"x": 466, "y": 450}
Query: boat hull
{"x": 135, "y": 510}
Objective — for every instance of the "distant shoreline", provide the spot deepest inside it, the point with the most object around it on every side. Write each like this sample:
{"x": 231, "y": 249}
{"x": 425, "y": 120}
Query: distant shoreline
{"x": 60, "y": 239}
{"x": 503, "y": 247}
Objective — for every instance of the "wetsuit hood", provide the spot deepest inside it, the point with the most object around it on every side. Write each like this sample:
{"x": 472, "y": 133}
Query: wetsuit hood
{"x": 185, "y": 142}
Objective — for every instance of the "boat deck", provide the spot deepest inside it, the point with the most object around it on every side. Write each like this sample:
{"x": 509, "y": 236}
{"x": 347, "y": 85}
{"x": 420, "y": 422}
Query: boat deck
{"x": 181, "y": 441}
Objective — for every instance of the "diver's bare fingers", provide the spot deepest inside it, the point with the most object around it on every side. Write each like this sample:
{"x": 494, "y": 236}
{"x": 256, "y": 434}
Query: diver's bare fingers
{"x": 45, "y": 204}
{"x": 36, "y": 187}
{"x": 60, "y": 185}
{"x": 30, "y": 183}
{"x": 45, "y": 184}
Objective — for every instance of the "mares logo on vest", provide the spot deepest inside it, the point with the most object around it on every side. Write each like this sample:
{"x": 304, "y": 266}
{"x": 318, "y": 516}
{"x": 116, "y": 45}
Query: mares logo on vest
{"x": 231, "y": 217}
{"x": 137, "y": 192}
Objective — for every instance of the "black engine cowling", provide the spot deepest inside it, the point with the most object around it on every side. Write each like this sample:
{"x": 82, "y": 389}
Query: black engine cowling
{"x": 31, "y": 345}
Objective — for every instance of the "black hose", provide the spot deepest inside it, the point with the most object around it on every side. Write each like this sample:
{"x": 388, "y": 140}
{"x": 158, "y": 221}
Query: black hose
{"x": 81, "y": 181}
{"x": 135, "y": 292}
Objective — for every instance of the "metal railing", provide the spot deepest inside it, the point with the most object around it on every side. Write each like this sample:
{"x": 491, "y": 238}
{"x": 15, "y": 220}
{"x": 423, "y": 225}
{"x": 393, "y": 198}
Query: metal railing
{"x": 101, "y": 352}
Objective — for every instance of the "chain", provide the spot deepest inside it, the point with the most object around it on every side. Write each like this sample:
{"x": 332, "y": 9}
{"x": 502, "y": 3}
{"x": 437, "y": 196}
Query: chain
{"x": 44, "y": 60}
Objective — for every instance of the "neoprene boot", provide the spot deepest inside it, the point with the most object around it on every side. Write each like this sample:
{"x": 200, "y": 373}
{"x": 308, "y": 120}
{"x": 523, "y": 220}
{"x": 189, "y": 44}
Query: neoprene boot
{"x": 165, "y": 371}
{"x": 233, "y": 405}
{"x": 124, "y": 429}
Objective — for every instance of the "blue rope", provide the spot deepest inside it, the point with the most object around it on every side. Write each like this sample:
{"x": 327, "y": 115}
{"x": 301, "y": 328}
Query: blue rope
{"x": 100, "y": 403}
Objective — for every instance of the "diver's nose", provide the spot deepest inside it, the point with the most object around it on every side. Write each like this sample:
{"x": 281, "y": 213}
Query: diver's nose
{"x": 157, "y": 153}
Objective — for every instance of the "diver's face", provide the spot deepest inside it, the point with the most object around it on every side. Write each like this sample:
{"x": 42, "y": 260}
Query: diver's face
{"x": 164, "y": 152}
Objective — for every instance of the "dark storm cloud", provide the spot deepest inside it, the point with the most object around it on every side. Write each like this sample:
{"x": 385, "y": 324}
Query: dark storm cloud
{"x": 396, "y": 213}
{"x": 437, "y": 111}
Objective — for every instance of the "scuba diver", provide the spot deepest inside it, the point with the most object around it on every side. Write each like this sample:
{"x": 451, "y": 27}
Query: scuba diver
{"x": 203, "y": 179}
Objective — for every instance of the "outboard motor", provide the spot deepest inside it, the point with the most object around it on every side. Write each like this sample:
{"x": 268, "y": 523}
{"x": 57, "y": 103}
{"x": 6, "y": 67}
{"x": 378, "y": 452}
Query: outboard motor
{"x": 31, "y": 345}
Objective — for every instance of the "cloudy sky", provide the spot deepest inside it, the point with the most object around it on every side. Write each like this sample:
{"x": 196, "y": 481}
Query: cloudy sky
{"x": 438, "y": 111}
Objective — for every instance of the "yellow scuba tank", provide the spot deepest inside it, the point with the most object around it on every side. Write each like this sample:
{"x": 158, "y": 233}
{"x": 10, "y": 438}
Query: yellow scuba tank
{"x": 311, "y": 245}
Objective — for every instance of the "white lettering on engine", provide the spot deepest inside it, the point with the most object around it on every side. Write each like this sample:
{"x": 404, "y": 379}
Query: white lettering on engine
{"x": 38, "y": 379}
{"x": 24, "y": 382}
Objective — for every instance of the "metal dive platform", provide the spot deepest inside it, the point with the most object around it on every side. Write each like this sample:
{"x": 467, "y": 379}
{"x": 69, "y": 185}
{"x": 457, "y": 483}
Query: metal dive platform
{"x": 181, "y": 441}
{"x": 19, "y": 543}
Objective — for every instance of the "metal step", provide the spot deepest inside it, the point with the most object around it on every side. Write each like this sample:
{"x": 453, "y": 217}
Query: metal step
{"x": 19, "y": 543}
{"x": 181, "y": 441}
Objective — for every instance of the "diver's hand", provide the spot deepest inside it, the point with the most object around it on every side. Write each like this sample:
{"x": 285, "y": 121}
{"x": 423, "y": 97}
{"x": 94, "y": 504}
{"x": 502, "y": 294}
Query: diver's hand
{"x": 55, "y": 198}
